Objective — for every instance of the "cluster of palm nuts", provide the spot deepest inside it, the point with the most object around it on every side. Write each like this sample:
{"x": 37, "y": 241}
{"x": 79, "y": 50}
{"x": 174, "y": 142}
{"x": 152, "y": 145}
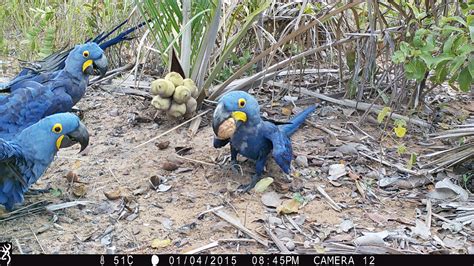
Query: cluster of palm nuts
{"x": 175, "y": 95}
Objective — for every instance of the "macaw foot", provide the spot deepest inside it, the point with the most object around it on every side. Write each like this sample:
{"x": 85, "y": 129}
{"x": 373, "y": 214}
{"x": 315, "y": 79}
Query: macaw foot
{"x": 78, "y": 112}
{"x": 34, "y": 192}
{"x": 247, "y": 187}
{"x": 236, "y": 168}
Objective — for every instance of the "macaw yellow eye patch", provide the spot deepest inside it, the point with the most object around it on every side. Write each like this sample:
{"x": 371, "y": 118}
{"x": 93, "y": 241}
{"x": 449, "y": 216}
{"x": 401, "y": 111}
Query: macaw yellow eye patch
{"x": 86, "y": 65}
{"x": 57, "y": 128}
{"x": 242, "y": 102}
{"x": 239, "y": 116}
{"x": 85, "y": 54}
{"x": 58, "y": 141}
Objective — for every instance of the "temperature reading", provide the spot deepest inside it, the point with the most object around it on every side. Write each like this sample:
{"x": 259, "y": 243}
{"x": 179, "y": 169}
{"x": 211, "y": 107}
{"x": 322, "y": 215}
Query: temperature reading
{"x": 125, "y": 260}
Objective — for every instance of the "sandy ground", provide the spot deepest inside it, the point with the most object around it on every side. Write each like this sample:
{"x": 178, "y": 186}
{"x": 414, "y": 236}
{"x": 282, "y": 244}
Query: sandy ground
{"x": 129, "y": 224}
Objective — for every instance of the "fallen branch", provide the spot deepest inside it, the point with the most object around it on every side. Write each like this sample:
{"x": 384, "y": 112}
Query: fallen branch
{"x": 174, "y": 128}
{"x": 332, "y": 203}
{"x": 237, "y": 224}
{"x": 199, "y": 249}
{"x": 398, "y": 167}
{"x": 278, "y": 243}
{"x": 352, "y": 104}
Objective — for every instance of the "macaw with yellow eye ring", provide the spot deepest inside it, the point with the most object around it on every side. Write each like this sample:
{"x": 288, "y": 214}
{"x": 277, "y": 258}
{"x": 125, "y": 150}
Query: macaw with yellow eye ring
{"x": 25, "y": 158}
{"x": 71, "y": 81}
{"x": 254, "y": 137}
{"x": 26, "y": 106}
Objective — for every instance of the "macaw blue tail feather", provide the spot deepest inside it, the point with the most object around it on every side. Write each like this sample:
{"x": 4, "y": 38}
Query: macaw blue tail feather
{"x": 296, "y": 121}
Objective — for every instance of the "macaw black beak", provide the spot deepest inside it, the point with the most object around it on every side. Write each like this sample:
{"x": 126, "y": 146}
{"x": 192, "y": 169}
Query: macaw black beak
{"x": 219, "y": 116}
{"x": 80, "y": 135}
{"x": 100, "y": 66}
{"x": 96, "y": 67}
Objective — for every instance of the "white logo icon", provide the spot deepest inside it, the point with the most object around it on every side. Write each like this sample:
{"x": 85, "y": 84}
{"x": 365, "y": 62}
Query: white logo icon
{"x": 6, "y": 253}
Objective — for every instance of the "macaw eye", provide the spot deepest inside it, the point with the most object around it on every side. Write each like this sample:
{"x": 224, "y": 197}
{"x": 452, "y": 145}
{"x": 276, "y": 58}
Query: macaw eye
{"x": 85, "y": 54}
{"x": 57, "y": 128}
{"x": 242, "y": 102}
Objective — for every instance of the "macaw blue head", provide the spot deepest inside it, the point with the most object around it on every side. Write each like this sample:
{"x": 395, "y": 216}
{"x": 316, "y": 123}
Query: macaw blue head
{"x": 88, "y": 59}
{"x": 239, "y": 105}
{"x": 43, "y": 139}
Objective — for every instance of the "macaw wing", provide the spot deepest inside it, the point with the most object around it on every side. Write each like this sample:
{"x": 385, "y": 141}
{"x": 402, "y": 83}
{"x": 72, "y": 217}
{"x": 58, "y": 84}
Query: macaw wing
{"x": 27, "y": 106}
{"x": 281, "y": 151}
{"x": 12, "y": 183}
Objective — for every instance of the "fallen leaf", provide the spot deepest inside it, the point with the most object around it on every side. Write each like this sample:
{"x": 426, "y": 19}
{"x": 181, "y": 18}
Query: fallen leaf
{"x": 72, "y": 177}
{"x": 421, "y": 230}
{"x": 113, "y": 195}
{"x": 263, "y": 184}
{"x": 287, "y": 110}
{"x": 169, "y": 166}
{"x": 354, "y": 176}
{"x": 163, "y": 145}
{"x": 163, "y": 188}
{"x": 400, "y": 131}
{"x": 346, "y": 225}
{"x": 160, "y": 243}
{"x": 446, "y": 189}
{"x": 288, "y": 206}
{"x": 79, "y": 190}
{"x": 155, "y": 181}
{"x": 371, "y": 239}
{"x": 336, "y": 171}
{"x": 271, "y": 199}
{"x": 379, "y": 219}
{"x": 76, "y": 165}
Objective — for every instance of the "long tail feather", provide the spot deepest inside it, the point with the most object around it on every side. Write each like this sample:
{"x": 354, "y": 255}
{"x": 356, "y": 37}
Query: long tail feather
{"x": 296, "y": 121}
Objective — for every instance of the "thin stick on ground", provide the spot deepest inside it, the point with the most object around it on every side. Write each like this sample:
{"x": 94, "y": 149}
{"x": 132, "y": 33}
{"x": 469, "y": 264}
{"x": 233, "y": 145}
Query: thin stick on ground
{"x": 196, "y": 161}
{"x": 173, "y": 129}
{"x": 37, "y": 240}
{"x": 237, "y": 224}
{"x": 199, "y": 249}
{"x": 278, "y": 243}
{"x": 332, "y": 203}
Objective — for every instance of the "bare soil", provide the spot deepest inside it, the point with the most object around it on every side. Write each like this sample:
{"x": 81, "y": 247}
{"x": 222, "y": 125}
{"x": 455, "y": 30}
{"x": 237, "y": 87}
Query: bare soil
{"x": 112, "y": 163}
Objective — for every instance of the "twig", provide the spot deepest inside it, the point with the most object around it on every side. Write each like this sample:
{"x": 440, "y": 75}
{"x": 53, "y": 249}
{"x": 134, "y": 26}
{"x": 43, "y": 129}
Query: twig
{"x": 112, "y": 172}
{"x": 398, "y": 167}
{"x": 363, "y": 132}
{"x": 37, "y": 240}
{"x": 196, "y": 161}
{"x": 17, "y": 243}
{"x": 237, "y": 240}
{"x": 331, "y": 201}
{"x": 278, "y": 243}
{"x": 452, "y": 222}
{"x": 236, "y": 223}
{"x": 330, "y": 132}
{"x": 428, "y": 214}
{"x": 210, "y": 210}
{"x": 353, "y": 104}
{"x": 174, "y": 128}
{"x": 199, "y": 249}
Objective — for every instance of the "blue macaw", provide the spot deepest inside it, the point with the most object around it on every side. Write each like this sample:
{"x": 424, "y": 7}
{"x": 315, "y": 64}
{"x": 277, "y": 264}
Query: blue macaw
{"x": 27, "y": 105}
{"x": 26, "y": 157}
{"x": 46, "y": 69}
{"x": 255, "y": 137}
{"x": 83, "y": 61}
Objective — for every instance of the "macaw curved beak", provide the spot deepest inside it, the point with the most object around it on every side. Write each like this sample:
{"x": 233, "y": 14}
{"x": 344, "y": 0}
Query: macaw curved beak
{"x": 97, "y": 67}
{"x": 80, "y": 135}
{"x": 221, "y": 114}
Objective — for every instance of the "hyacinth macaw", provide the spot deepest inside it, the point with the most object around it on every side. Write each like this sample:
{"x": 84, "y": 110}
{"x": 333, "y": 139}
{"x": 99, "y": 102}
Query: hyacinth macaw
{"x": 45, "y": 70}
{"x": 27, "y": 105}
{"x": 83, "y": 61}
{"x": 26, "y": 157}
{"x": 255, "y": 137}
